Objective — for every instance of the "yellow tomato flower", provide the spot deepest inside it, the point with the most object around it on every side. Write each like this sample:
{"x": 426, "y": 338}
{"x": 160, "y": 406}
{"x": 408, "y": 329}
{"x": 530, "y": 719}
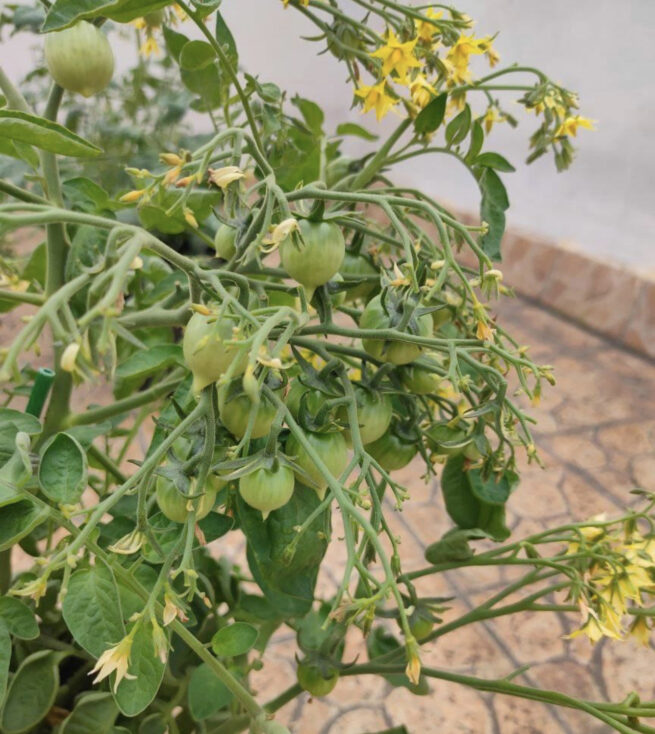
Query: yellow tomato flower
{"x": 421, "y": 90}
{"x": 571, "y": 124}
{"x": 458, "y": 56}
{"x": 426, "y": 30}
{"x": 223, "y": 177}
{"x": 149, "y": 47}
{"x": 302, "y": 2}
{"x": 491, "y": 117}
{"x": 376, "y": 98}
{"x": 640, "y": 630}
{"x": 115, "y": 659}
{"x": 397, "y": 56}
{"x": 133, "y": 196}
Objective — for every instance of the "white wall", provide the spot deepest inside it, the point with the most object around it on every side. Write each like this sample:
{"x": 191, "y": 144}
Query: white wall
{"x": 601, "y": 48}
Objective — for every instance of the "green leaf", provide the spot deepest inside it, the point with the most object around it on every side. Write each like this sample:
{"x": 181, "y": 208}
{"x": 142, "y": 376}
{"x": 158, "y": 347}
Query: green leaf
{"x": 92, "y": 609}
{"x": 18, "y": 520}
{"x": 64, "y": 13}
{"x": 493, "y": 490}
{"x": 431, "y": 116}
{"x": 226, "y": 40}
{"x": 312, "y": 114}
{"x": 63, "y": 469}
{"x": 494, "y": 160}
{"x": 461, "y": 504}
{"x": 494, "y": 204}
{"x": 11, "y": 422}
{"x": 154, "y": 724}
{"x": 5, "y": 658}
{"x": 145, "y": 362}
{"x": 94, "y": 713}
{"x": 457, "y": 129}
{"x": 454, "y": 546}
{"x": 287, "y": 582}
{"x": 477, "y": 141}
{"x": 351, "y": 128}
{"x": 196, "y": 55}
{"x": 206, "y": 83}
{"x": 206, "y": 694}
{"x": 215, "y": 526}
{"x": 234, "y": 640}
{"x": 31, "y": 693}
{"x": 18, "y": 618}
{"x": 16, "y": 472}
{"x": 21, "y": 151}
{"x": 206, "y": 7}
{"x": 134, "y": 696}
{"x": 175, "y": 42}
{"x": 44, "y": 134}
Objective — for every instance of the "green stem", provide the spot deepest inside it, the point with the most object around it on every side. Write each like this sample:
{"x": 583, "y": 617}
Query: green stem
{"x": 368, "y": 173}
{"x": 5, "y": 570}
{"x": 21, "y": 194}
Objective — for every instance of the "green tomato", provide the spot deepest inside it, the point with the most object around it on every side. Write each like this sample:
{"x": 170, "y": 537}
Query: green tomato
{"x": 205, "y": 351}
{"x": 359, "y": 266}
{"x": 80, "y": 58}
{"x": 447, "y": 440}
{"x": 319, "y": 256}
{"x": 392, "y": 452}
{"x": 420, "y": 625}
{"x": 173, "y": 504}
{"x": 273, "y": 727}
{"x": 234, "y": 411}
{"x": 312, "y": 679}
{"x": 331, "y": 449}
{"x": 375, "y": 317}
{"x": 267, "y": 489}
{"x": 301, "y": 394}
{"x": 420, "y": 381}
{"x": 224, "y": 241}
{"x": 374, "y": 413}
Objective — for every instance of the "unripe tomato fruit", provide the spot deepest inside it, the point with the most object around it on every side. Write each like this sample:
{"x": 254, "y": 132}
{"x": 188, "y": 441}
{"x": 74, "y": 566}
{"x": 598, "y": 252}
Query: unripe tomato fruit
{"x": 234, "y": 412}
{"x": 299, "y": 394}
{"x": 80, "y": 58}
{"x": 174, "y": 505}
{"x": 391, "y": 452}
{"x": 396, "y": 352}
{"x": 224, "y": 241}
{"x": 205, "y": 351}
{"x": 319, "y": 257}
{"x": 331, "y": 449}
{"x": 374, "y": 413}
{"x": 267, "y": 489}
{"x": 420, "y": 625}
{"x": 359, "y": 266}
{"x": 273, "y": 727}
{"x": 441, "y": 434}
{"x": 420, "y": 381}
{"x": 312, "y": 680}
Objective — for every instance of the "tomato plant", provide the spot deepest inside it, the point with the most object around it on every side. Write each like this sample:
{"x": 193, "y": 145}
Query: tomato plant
{"x": 230, "y": 335}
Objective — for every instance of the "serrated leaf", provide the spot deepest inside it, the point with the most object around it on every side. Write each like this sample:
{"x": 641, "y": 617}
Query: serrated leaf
{"x": 234, "y": 640}
{"x": 494, "y": 490}
{"x": 31, "y": 693}
{"x": 18, "y": 618}
{"x": 206, "y": 694}
{"x": 44, "y": 134}
{"x": 63, "y": 469}
{"x": 431, "y": 116}
{"x": 18, "y": 520}
{"x": 94, "y": 713}
{"x": 493, "y": 206}
{"x": 134, "y": 696}
{"x": 92, "y": 609}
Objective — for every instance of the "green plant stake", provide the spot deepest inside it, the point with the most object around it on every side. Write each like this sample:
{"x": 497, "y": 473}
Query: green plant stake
{"x": 40, "y": 390}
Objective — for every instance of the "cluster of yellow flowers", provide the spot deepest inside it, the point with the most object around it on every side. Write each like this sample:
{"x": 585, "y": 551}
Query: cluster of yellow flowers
{"x": 151, "y": 23}
{"x": 622, "y": 572}
{"x": 407, "y": 63}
